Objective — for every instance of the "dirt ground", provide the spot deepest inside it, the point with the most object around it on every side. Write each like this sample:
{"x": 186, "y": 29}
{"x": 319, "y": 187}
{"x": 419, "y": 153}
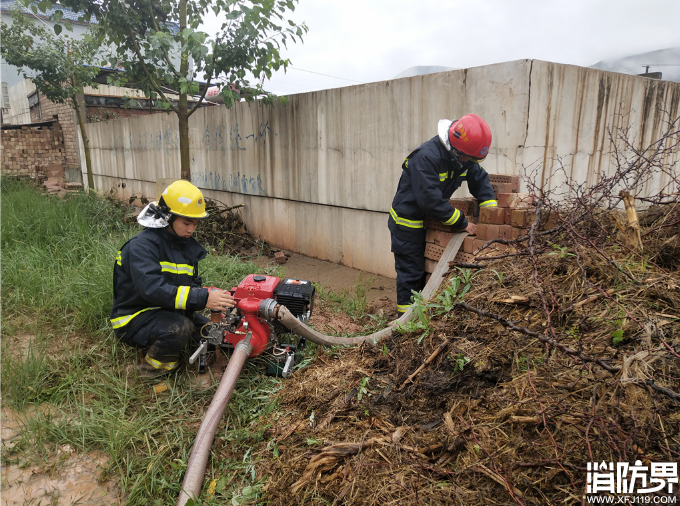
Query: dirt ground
{"x": 339, "y": 277}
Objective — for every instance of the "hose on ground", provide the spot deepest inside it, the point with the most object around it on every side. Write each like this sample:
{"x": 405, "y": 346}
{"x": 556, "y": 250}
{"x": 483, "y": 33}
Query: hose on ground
{"x": 193, "y": 478}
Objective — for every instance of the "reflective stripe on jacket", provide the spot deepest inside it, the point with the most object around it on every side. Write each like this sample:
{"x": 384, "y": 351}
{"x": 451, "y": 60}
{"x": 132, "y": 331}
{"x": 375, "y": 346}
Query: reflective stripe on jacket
{"x": 428, "y": 179}
{"x": 156, "y": 270}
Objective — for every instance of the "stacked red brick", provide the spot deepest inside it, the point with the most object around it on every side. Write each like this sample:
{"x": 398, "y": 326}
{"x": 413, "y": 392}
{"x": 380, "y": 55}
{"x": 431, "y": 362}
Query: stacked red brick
{"x": 510, "y": 220}
{"x": 28, "y": 150}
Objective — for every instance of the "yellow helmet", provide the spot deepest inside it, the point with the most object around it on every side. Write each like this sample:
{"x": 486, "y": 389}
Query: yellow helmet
{"x": 182, "y": 198}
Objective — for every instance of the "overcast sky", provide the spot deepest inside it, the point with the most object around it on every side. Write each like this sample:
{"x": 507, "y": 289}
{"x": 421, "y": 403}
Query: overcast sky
{"x": 361, "y": 41}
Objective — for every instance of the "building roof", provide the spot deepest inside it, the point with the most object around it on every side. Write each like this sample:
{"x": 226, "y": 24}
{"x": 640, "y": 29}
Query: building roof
{"x": 6, "y": 5}
{"x": 74, "y": 17}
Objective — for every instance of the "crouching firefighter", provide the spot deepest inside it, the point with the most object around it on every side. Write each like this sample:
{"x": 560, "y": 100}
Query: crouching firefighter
{"x": 156, "y": 287}
{"x": 430, "y": 175}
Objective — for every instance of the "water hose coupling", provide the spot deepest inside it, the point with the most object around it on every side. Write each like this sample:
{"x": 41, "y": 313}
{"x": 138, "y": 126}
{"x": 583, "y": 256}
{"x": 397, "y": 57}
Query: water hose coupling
{"x": 268, "y": 309}
{"x": 245, "y": 344}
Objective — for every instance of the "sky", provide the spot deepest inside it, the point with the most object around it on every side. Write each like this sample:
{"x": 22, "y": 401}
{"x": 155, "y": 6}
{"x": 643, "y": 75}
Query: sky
{"x": 353, "y": 42}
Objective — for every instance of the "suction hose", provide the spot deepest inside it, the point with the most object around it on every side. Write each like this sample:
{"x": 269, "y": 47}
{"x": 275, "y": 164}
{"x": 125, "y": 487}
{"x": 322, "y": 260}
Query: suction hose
{"x": 288, "y": 320}
{"x": 193, "y": 479}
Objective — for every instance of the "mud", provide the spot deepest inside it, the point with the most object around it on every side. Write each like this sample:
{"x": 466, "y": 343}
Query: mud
{"x": 63, "y": 479}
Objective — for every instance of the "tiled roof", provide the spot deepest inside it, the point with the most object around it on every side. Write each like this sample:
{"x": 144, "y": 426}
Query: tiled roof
{"x": 6, "y": 5}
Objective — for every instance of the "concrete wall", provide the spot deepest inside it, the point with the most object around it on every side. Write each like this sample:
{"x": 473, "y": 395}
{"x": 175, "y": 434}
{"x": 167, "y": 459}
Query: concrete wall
{"x": 318, "y": 175}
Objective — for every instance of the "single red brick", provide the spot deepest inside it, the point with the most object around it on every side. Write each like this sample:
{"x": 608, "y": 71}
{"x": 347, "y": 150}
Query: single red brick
{"x": 496, "y": 215}
{"x": 505, "y": 232}
{"x": 500, "y": 188}
{"x": 461, "y": 204}
{"x": 465, "y": 258}
{"x": 522, "y": 200}
{"x": 507, "y": 215}
{"x": 468, "y": 244}
{"x": 506, "y": 199}
{"x": 444, "y": 238}
{"x": 521, "y": 217}
{"x": 485, "y": 215}
{"x": 437, "y": 225}
{"x": 518, "y": 232}
{"x": 430, "y": 265}
{"x": 433, "y": 251}
{"x": 481, "y": 230}
{"x": 513, "y": 181}
{"x": 430, "y": 235}
{"x": 492, "y": 232}
{"x": 478, "y": 243}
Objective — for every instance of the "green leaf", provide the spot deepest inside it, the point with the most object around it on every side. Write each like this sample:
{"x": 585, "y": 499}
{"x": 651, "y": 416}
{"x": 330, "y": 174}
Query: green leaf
{"x": 57, "y": 29}
{"x": 617, "y": 336}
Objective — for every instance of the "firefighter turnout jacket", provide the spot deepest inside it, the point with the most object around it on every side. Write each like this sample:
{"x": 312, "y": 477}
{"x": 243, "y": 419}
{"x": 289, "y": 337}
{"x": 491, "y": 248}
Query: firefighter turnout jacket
{"x": 428, "y": 179}
{"x": 156, "y": 270}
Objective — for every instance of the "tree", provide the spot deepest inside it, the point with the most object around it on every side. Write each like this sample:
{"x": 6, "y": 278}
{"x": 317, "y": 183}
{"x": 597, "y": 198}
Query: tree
{"x": 161, "y": 49}
{"x": 58, "y": 65}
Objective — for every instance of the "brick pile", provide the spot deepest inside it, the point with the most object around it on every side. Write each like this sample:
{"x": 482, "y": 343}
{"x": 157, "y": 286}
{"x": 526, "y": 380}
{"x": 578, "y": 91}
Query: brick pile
{"x": 510, "y": 220}
{"x": 28, "y": 150}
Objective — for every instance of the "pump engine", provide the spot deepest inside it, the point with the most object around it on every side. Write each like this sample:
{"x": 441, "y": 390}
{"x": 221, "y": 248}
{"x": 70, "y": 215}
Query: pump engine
{"x": 255, "y": 296}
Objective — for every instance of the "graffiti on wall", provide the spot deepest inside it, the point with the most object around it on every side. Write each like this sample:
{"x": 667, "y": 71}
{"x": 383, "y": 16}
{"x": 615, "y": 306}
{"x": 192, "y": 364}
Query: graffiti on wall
{"x": 220, "y": 139}
{"x": 239, "y": 183}
{"x": 211, "y": 140}
{"x": 159, "y": 140}
{"x": 216, "y": 140}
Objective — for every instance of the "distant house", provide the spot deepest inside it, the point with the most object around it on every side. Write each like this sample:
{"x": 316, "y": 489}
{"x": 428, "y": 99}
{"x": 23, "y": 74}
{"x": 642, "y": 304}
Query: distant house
{"x": 22, "y": 104}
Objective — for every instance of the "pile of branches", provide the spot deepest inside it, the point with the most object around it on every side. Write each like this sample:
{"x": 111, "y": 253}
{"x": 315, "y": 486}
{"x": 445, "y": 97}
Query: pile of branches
{"x": 564, "y": 350}
{"x": 226, "y": 233}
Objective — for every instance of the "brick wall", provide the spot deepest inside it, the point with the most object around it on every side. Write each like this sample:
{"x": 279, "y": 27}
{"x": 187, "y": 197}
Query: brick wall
{"x": 28, "y": 150}
{"x": 67, "y": 119}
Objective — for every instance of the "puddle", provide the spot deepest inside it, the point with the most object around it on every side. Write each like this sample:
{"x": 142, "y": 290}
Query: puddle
{"x": 65, "y": 479}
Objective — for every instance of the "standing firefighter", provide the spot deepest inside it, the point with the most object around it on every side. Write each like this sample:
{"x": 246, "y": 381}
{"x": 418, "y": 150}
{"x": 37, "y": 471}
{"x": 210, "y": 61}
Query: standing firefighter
{"x": 156, "y": 287}
{"x": 429, "y": 177}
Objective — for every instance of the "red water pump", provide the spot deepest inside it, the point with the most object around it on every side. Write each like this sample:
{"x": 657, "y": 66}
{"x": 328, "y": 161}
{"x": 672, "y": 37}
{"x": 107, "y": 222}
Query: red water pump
{"x": 255, "y": 297}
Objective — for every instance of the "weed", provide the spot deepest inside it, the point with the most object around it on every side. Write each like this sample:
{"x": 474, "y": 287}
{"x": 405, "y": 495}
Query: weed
{"x": 499, "y": 276}
{"x": 459, "y": 362}
{"x": 363, "y": 389}
{"x": 421, "y": 323}
{"x": 453, "y": 292}
{"x": 466, "y": 274}
{"x": 562, "y": 251}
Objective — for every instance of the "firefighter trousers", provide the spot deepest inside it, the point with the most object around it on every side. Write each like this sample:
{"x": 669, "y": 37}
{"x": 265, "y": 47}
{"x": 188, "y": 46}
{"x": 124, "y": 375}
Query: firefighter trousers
{"x": 409, "y": 262}
{"x": 165, "y": 335}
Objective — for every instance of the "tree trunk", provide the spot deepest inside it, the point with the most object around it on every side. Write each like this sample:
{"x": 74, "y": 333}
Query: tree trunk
{"x": 184, "y": 155}
{"x": 182, "y": 109}
{"x": 86, "y": 142}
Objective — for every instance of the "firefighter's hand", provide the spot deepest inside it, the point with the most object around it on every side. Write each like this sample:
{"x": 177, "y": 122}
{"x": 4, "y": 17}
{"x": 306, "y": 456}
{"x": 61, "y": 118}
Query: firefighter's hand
{"x": 220, "y": 300}
{"x": 471, "y": 228}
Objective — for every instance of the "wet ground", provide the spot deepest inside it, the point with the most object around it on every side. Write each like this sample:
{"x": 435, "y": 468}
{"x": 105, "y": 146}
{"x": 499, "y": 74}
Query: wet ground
{"x": 338, "y": 277}
{"x": 66, "y": 479}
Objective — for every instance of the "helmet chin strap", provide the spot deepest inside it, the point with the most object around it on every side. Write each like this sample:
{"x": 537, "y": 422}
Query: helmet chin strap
{"x": 455, "y": 160}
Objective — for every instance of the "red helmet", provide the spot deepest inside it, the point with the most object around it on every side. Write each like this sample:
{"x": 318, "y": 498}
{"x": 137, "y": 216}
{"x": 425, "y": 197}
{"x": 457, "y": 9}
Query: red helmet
{"x": 471, "y": 136}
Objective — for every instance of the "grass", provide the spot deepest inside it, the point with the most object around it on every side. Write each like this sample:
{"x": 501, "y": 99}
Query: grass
{"x": 64, "y": 372}
{"x": 351, "y": 301}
